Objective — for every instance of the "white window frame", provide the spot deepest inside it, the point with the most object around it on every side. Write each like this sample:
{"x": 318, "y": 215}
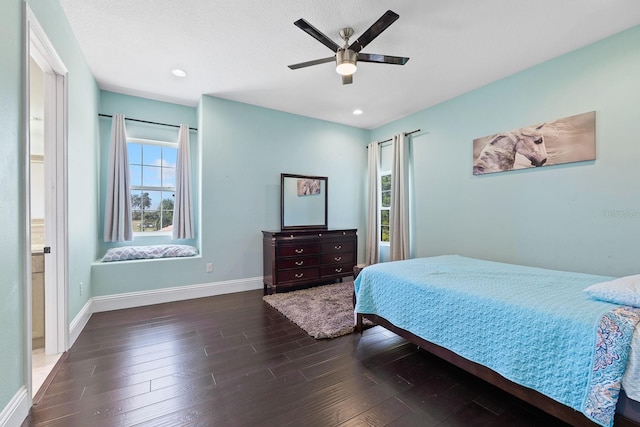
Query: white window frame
{"x": 142, "y": 187}
{"x": 381, "y": 208}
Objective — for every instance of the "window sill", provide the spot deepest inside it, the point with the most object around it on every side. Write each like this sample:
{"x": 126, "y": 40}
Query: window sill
{"x": 137, "y": 235}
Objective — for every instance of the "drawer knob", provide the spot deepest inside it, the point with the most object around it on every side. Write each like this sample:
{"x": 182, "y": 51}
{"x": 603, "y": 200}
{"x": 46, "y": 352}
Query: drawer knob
{"x": 299, "y": 262}
{"x": 299, "y": 275}
{"x": 338, "y": 258}
{"x": 338, "y": 247}
{"x": 299, "y": 251}
{"x": 339, "y": 270}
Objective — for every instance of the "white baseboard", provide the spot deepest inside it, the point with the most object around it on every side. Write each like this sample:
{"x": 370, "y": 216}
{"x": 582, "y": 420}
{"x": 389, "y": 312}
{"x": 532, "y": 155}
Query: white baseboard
{"x": 80, "y": 321}
{"x": 14, "y": 414}
{"x": 159, "y": 296}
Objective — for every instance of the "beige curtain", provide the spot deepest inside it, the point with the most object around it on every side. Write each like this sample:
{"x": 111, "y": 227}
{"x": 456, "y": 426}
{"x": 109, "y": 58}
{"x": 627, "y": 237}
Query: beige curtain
{"x": 399, "y": 211}
{"x": 183, "y": 206}
{"x": 372, "y": 243}
{"x": 117, "y": 217}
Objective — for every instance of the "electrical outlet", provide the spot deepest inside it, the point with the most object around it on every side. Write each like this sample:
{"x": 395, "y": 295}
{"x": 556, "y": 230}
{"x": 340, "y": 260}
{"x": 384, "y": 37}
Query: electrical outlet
{"x": 80, "y": 288}
{"x": 209, "y": 267}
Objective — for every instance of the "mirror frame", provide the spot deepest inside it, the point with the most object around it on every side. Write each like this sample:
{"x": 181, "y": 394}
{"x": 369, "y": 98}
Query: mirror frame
{"x": 283, "y": 207}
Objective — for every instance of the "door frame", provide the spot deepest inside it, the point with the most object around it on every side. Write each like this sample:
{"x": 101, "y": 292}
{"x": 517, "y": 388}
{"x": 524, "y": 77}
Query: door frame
{"x": 38, "y": 46}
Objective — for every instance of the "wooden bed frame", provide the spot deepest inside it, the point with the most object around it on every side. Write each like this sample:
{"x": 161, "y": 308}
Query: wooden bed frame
{"x": 535, "y": 398}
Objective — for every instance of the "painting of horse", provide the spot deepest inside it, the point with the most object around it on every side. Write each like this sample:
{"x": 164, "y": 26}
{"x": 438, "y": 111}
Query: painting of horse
{"x": 308, "y": 187}
{"x": 566, "y": 140}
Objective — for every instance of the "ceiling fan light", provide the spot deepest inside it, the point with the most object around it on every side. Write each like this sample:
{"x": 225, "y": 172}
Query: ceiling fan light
{"x": 346, "y": 62}
{"x": 346, "y": 68}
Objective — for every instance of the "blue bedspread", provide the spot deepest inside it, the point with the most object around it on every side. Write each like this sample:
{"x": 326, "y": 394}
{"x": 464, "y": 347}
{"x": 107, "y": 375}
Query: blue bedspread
{"x": 533, "y": 326}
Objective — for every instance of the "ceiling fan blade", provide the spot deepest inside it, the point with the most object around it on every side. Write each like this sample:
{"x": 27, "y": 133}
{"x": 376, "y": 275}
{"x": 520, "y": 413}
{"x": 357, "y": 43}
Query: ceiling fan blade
{"x": 374, "y": 31}
{"x": 314, "y": 62}
{"x": 316, "y": 34}
{"x": 384, "y": 59}
{"x": 347, "y": 80}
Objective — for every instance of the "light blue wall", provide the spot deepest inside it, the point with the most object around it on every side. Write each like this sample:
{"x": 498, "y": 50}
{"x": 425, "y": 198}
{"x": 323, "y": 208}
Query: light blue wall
{"x": 243, "y": 149}
{"x": 12, "y": 215}
{"x": 556, "y": 216}
{"x": 154, "y": 111}
{"x": 82, "y": 176}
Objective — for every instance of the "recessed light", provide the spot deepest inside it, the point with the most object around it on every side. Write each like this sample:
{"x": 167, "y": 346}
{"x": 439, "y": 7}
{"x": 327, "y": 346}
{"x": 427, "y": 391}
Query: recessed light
{"x": 357, "y": 112}
{"x": 178, "y": 72}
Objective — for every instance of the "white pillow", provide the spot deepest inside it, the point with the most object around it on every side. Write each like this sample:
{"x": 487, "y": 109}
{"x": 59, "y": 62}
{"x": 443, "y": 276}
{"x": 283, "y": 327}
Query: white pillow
{"x": 624, "y": 291}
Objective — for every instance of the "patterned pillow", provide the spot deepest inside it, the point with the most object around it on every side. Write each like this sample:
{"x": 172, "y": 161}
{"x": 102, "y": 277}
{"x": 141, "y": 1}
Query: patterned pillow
{"x": 126, "y": 253}
{"x": 624, "y": 291}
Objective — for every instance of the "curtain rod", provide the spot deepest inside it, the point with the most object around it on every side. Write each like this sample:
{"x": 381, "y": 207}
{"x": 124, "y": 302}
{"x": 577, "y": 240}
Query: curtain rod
{"x": 406, "y": 134}
{"x": 146, "y": 121}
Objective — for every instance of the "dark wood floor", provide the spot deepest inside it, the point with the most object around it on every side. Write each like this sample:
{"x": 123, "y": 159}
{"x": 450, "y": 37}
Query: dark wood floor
{"x": 232, "y": 360}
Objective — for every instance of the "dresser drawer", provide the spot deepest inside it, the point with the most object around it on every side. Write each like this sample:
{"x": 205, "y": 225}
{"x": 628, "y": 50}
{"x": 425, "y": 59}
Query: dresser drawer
{"x": 339, "y": 235}
{"x": 337, "y": 247}
{"x": 297, "y": 250}
{"x": 299, "y": 262}
{"x": 298, "y": 274}
{"x": 336, "y": 270}
{"x": 337, "y": 258}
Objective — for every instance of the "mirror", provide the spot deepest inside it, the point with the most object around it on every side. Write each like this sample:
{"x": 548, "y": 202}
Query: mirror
{"x": 303, "y": 202}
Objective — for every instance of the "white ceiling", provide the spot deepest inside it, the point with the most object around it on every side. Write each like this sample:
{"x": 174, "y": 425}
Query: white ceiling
{"x": 239, "y": 50}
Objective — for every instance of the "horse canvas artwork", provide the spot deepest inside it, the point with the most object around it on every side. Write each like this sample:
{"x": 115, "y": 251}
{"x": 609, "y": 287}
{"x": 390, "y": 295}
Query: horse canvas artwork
{"x": 566, "y": 140}
{"x": 308, "y": 187}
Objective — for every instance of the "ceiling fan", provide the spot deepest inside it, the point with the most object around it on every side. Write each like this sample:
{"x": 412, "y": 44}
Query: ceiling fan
{"x": 347, "y": 57}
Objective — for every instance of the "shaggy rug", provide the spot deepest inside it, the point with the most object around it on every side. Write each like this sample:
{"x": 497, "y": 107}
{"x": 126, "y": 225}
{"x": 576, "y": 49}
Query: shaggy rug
{"x": 323, "y": 311}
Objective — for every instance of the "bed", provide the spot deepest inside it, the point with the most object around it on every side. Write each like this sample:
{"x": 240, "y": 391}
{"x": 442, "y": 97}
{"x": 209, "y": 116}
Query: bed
{"x": 533, "y": 332}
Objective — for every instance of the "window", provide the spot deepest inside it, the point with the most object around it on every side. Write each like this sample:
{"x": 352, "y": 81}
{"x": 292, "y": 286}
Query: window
{"x": 385, "y": 205}
{"x": 152, "y": 169}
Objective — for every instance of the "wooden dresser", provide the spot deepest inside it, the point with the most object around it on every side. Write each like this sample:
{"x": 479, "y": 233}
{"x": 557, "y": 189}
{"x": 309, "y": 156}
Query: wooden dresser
{"x": 304, "y": 258}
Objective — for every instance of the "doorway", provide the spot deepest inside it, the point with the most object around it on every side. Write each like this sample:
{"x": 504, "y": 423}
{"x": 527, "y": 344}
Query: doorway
{"x": 46, "y": 317}
{"x": 41, "y": 362}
